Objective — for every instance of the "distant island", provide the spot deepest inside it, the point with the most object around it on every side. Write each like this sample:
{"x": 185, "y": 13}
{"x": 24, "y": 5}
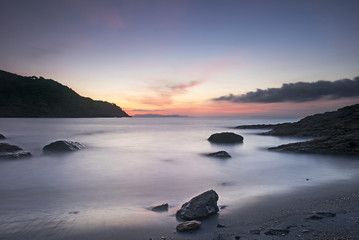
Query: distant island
{"x": 39, "y": 97}
{"x": 157, "y": 116}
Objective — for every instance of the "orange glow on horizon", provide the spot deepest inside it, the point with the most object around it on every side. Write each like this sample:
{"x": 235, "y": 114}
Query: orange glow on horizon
{"x": 227, "y": 109}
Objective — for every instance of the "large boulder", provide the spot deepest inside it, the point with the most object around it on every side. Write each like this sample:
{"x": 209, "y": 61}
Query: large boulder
{"x": 2, "y": 137}
{"x": 199, "y": 207}
{"x": 188, "y": 226}
{"x": 8, "y": 151}
{"x": 62, "y": 146}
{"x": 225, "y": 137}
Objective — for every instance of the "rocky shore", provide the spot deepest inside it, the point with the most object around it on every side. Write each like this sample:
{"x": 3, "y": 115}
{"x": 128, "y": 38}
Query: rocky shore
{"x": 333, "y": 132}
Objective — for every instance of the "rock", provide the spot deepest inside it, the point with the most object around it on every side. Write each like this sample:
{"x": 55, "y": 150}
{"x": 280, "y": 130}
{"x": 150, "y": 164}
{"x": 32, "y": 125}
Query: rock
{"x": 327, "y": 214}
{"x": 62, "y": 146}
{"x": 220, "y": 154}
{"x": 337, "y": 132}
{"x": 315, "y": 217}
{"x": 341, "y": 144}
{"x": 8, "y": 151}
{"x": 199, "y": 207}
{"x": 160, "y": 208}
{"x": 2, "y": 137}
{"x": 225, "y": 137}
{"x": 277, "y": 232}
{"x": 220, "y": 225}
{"x": 255, "y": 231}
{"x": 188, "y": 226}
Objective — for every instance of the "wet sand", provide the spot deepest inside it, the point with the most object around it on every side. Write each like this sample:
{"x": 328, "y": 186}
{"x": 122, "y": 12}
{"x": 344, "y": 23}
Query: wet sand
{"x": 288, "y": 211}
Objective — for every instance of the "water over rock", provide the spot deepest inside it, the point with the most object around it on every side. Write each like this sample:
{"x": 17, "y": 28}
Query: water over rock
{"x": 199, "y": 207}
{"x": 219, "y": 154}
{"x": 225, "y": 137}
{"x": 62, "y": 146}
{"x": 8, "y": 151}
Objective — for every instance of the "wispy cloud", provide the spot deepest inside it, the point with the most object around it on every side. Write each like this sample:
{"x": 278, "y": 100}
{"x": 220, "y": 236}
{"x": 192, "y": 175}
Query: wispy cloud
{"x": 299, "y": 92}
{"x": 163, "y": 93}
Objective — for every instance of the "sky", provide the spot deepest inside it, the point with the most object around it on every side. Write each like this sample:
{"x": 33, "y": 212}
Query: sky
{"x": 240, "y": 58}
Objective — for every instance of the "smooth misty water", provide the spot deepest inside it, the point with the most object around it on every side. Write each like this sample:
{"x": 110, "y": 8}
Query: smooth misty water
{"x": 131, "y": 164}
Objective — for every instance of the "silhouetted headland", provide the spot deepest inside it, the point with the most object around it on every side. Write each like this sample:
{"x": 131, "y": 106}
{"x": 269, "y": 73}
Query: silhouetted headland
{"x": 38, "y": 97}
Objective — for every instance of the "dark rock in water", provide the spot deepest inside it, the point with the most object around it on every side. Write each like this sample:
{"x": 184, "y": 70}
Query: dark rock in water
{"x": 2, "y": 137}
{"x": 327, "y": 214}
{"x": 199, "y": 207}
{"x": 277, "y": 232}
{"x": 8, "y": 151}
{"x": 255, "y": 231}
{"x": 160, "y": 208}
{"x": 315, "y": 217}
{"x": 220, "y": 225}
{"x": 220, "y": 154}
{"x": 188, "y": 226}
{"x": 62, "y": 146}
{"x": 225, "y": 137}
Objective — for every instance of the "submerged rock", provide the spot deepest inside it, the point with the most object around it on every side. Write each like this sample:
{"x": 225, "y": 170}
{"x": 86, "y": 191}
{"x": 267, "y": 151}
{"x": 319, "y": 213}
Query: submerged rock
{"x": 8, "y": 151}
{"x": 225, "y": 137}
{"x": 219, "y": 154}
{"x": 188, "y": 226}
{"x": 199, "y": 207}
{"x": 160, "y": 208}
{"x": 62, "y": 146}
{"x": 255, "y": 231}
{"x": 2, "y": 137}
{"x": 276, "y": 232}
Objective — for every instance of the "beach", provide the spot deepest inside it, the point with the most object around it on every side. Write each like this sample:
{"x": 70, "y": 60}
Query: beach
{"x": 288, "y": 211}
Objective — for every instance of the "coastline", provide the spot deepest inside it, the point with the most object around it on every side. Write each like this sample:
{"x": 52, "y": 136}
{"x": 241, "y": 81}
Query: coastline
{"x": 278, "y": 211}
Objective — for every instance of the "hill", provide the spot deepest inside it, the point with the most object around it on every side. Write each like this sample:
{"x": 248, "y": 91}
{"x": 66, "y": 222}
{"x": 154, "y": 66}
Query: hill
{"x": 38, "y": 97}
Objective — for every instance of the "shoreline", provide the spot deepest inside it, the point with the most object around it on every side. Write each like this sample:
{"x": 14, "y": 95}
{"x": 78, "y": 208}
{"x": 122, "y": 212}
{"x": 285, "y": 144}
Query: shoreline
{"x": 278, "y": 211}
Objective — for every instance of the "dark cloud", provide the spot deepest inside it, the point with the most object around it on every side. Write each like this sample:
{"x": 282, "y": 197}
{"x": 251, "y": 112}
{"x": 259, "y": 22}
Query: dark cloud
{"x": 299, "y": 92}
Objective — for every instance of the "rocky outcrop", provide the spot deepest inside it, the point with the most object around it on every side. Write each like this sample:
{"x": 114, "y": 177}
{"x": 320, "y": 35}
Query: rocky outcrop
{"x": 8, "y": 151}
{"x": 335, "y": 132}
{"x": 188, "y": 226}
{"x": 160, "y": 208}
{"x": 62, "y": 146}
{"x": 225, "y": 137}
{"x": 199, "y": 207}
{"x": 343, "y": 121}
{"x": 342, "y": 144}
{"x": 219, "y": 154}
{"x": 2, "y": 137}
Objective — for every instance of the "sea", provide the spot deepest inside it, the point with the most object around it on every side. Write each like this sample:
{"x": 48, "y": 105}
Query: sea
{"x": 132, "y": 164}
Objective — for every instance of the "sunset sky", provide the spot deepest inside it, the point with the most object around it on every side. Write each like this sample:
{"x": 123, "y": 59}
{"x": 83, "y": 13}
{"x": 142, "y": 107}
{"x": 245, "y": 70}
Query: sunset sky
{"x": 196, "y": 57}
